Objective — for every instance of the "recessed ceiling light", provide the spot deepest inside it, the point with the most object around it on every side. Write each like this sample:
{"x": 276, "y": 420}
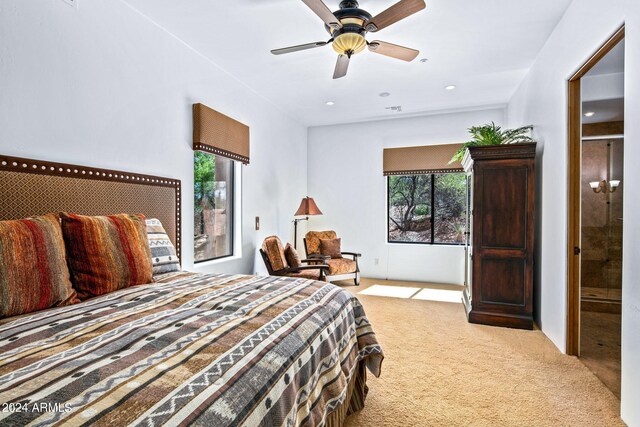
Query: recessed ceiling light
{"x": 385, "y": 94}
{"x": 589, "y": 114}
{"x": 330, "y": 103}
{"x": 450, "y": 87}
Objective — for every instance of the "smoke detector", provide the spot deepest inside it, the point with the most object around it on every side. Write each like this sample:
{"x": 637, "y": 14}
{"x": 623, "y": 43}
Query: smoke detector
{"x": 395, "y": 108}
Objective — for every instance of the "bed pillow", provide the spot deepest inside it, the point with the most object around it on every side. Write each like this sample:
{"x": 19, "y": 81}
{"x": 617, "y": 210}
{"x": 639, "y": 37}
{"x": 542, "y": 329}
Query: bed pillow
{"x": 106, "y": 253}
{"x": 33, "y": 266}
{"x": 293, "y": 259}
{"x": 163, "y": 254}
{"x": 330, "y": 247}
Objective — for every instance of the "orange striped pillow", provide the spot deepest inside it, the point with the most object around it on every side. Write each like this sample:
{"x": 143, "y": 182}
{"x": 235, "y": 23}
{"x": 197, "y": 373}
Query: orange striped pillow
{"x": 106, "y": 253}
{"x": 33, "y": 266}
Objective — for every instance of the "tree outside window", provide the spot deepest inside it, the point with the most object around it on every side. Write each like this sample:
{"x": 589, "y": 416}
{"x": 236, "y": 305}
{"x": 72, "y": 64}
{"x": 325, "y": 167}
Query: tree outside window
{"x": 428, "y": 208}
{"x": 213, "y": 206}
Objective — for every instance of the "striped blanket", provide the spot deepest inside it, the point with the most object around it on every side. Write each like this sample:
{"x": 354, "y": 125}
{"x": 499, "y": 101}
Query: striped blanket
{"x": 194, "y": 349}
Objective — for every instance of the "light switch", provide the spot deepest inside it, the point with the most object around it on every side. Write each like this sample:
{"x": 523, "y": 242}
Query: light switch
{"x": 257, "y": 223}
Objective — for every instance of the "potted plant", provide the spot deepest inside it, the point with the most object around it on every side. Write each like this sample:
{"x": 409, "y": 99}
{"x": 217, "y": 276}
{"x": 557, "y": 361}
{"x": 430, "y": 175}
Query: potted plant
{"x": 491, "y": 134}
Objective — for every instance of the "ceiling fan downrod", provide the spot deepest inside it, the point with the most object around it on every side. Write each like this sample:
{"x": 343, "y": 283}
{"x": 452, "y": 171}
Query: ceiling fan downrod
{"x": 349, "y": 4}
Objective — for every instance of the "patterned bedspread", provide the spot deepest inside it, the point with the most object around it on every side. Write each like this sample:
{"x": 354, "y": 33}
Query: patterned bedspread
{"x": 195, "y": 349}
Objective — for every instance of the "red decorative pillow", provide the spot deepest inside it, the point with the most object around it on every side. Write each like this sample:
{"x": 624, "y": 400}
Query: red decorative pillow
{"x": 293, "y": 259}
{"x": 331, "y": 247}
{"x": 33, "y": 266}
{"x": 106, "y": 253}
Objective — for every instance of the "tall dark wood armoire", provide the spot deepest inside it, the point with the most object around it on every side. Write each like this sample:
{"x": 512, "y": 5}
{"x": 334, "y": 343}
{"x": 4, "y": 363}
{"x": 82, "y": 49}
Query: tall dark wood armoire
{"x": 500, "y": 244}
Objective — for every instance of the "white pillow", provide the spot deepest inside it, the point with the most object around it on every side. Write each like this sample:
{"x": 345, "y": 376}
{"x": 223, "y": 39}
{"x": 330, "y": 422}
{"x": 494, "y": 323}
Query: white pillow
{"x": 163, "y": 254}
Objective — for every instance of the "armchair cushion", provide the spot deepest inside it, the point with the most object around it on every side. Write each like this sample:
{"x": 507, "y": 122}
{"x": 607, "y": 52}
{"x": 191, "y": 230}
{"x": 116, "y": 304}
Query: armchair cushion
{"x": 312, "y": 240}
{"x": 341, "y": 266}
{"x": 292, "y": 257}
{"x": 308, "y": 274}
{"x": 330, "y": 247}
{"x": 272, "y": 246}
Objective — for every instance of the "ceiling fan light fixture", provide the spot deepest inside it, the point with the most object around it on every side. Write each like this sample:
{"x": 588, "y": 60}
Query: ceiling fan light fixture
{"x": 352, "y": 21}
{"x": 349, "y": 43}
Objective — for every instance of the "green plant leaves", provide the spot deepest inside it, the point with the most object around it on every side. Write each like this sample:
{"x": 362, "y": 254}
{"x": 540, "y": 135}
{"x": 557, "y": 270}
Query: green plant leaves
{"x": 492, "y": 134}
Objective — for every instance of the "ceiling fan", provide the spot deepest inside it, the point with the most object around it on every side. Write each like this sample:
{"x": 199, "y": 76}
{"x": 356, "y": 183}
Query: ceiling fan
{"x": 349, "y": 26}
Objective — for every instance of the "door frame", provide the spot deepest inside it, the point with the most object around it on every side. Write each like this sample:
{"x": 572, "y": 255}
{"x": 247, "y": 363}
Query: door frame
{"x": 574, "y": 192}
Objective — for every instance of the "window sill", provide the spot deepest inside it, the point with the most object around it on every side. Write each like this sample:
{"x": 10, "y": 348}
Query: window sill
{"x": 217, "y": 261}
{"x": 438, "y": 245}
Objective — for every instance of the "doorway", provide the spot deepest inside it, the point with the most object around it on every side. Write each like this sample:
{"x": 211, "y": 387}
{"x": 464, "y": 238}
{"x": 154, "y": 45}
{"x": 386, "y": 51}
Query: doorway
{"x": 596, "y": 190}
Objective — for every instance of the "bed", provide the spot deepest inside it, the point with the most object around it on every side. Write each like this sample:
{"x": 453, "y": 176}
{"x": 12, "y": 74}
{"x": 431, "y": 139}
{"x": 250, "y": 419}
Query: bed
{"x": 188, "y": 349}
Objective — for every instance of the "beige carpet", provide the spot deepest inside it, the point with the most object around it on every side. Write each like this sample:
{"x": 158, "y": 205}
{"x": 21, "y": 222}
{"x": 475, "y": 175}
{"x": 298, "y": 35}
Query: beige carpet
{"x": 440, "y": 370}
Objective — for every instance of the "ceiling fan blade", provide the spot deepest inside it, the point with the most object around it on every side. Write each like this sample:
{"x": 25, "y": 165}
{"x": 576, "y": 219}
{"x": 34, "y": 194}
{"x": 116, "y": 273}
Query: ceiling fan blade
{"x": 321, "y": 9}
{"x": 298, "y": 48}
{"x": 341, "y": 67}
{"x": 393, "y": 50}
{"x": 397, "y": 12}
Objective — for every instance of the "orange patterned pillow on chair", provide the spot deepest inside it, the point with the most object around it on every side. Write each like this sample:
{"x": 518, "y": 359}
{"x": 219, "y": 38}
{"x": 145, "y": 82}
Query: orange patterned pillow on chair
{"x": 331, "y": 247}
{"x": 106, "y": 253}
{"x": 312, "y": 240}
{"x": 293, "y": 259}
{"x": 33, "y": 266}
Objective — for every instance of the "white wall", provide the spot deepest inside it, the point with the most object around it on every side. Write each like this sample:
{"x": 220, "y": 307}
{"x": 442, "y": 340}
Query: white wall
{"x": 345, "y": 179}
{"x": 103, "y": 86}
{"x": 542, "y": 101}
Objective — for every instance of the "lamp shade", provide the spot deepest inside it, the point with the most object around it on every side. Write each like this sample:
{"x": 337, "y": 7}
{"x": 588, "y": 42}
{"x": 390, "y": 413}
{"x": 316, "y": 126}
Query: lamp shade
{"x": 308, "y": 207}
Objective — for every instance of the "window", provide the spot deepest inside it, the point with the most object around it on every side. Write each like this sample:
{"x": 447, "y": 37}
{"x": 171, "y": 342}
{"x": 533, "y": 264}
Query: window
{"x": 213, "y": 206}
{"x": 427, "y": 209}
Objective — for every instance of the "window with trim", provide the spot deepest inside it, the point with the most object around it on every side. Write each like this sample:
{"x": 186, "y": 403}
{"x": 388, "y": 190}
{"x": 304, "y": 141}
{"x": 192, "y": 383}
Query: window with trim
{"x": 213, "y": 206}
{"x": 427, "y": 208}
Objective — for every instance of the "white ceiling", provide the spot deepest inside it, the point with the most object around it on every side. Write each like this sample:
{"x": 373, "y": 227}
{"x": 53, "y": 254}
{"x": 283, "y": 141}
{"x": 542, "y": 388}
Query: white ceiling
{"x": 606, "y": 110}
{"x": 612, "y": 63}
{"x": 603, "y": 88}
{"x": 483, "y": 47}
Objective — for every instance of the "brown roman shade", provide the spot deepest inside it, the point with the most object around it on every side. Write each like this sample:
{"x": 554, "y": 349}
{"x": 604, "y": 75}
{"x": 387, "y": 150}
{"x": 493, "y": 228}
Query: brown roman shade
{"x": 421, "y": 160}
{"x": 215, "y": 133}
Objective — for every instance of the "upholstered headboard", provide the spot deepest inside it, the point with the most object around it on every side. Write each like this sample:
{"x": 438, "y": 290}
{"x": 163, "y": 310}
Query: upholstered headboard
{"x": 34, "y": 187}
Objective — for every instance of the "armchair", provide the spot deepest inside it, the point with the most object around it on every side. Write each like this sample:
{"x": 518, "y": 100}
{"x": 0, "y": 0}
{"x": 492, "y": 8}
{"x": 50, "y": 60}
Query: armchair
{"x": 275, "y": 260}
{"x": 339, "y": 268}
